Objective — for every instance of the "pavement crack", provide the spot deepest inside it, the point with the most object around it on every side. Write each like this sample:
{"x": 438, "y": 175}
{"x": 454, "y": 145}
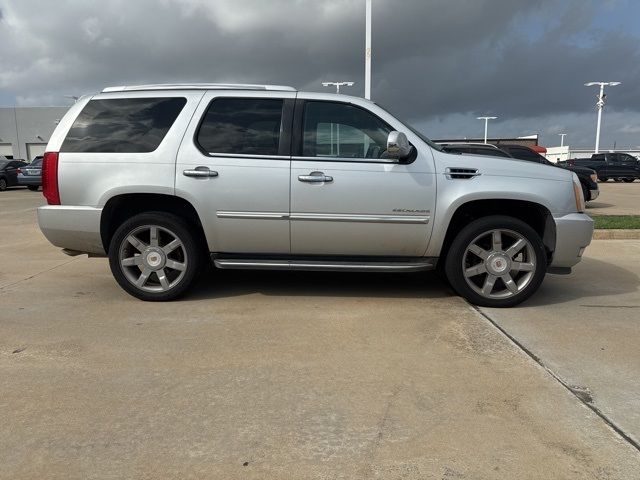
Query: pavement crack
{"x": 4, "y": 287}
{"x": 577, "y": 392}
{"x": 610, "y": 306}
{"x": 382, "y": 426}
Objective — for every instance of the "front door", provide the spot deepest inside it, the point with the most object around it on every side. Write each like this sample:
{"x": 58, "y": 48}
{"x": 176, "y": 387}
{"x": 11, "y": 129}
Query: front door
{"x": 346, "y": 197}
{"x": 234, "y": 166}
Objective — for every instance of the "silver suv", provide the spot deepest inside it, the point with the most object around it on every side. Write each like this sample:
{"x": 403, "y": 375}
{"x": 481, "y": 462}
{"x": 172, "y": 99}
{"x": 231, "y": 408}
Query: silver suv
{"x": 161, "y": 177}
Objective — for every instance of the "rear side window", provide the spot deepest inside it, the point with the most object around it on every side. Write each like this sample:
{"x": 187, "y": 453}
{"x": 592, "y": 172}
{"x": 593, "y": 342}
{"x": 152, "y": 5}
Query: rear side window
{"x": 241, "y": 126}
{"x": 123, "y": 125}
{"x": 524, "y": 154}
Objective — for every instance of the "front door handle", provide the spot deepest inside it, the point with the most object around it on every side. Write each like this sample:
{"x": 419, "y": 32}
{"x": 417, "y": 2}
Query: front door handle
{"x": 315, "y": 177}
{"x": 200, "y": 172}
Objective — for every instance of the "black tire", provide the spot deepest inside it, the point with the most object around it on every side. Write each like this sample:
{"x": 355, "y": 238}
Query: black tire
{"x": 585, "y": 193}
{"x": 3, "y": 184}
{"x": 33, "y": 188}
{"x": 603, "y": 179}
{"x": 617, "y": 180}
{"x": 628, "y": 180}
{"x": 191, "y": 256}
{"x": 455, "y": 266}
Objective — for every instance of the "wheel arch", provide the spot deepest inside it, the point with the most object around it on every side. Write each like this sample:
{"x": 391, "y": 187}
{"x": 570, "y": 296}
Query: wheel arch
{"x": 120, "y": 208}
{"x": 534, "y": 214}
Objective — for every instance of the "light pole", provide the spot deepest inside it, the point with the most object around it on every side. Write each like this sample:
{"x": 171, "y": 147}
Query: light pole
{"x": 367, "y": 53}
{"x": 562, "y": 135}
{"x": 338, "y": 85}
{"x": 486, "y": 125}
{"x": 600, "y": 105}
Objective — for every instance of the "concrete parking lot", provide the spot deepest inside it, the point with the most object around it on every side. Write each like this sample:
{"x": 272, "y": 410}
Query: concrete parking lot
{"x": 616, "y": 199}
{"x": 309, "y": 375}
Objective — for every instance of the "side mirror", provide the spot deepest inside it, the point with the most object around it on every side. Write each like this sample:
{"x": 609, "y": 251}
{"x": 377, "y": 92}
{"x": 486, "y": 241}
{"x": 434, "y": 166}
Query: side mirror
{"x": 398, "y": 147}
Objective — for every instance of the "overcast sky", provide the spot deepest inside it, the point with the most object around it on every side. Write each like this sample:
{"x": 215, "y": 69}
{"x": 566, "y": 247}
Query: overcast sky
{"x": 436, "y": 63}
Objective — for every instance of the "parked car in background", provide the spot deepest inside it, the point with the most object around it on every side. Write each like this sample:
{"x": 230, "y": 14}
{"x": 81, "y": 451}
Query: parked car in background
{"x": 30, "y": 176}
{"x": 587, "y": 176}
{"x": 616, "y": 165}
{"x": 474, "y": 149}
{"x": 9, "y": 170}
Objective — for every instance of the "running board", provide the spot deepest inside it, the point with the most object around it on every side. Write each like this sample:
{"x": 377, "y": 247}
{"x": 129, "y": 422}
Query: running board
{"x": 319, "y": 265}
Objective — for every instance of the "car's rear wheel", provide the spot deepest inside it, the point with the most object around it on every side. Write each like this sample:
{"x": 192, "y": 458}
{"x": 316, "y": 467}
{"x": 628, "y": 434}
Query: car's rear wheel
{"x": 33, "y": 188}
{"x": 155, "y": 256}
{"x": 628, "y": 180}
{"x": 3, "y": 184}
{"x": 496, "y": 261}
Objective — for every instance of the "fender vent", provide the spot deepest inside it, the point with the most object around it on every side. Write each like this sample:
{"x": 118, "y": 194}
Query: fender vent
{"x": 459, "y": 173}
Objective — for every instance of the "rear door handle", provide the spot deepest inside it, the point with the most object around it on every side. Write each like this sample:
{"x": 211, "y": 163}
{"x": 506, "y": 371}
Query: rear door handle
{"x": 200, "y": 172}
{"x": 315, "y": 177}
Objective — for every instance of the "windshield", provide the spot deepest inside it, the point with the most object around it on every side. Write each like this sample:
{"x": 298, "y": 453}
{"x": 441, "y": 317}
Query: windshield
{"x": 413, "y": 130}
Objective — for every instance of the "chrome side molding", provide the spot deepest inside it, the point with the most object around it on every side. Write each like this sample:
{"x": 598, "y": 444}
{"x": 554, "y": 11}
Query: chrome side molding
{"x": 321, "y": 265}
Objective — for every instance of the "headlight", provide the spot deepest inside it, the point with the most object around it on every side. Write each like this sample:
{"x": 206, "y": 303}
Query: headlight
{"x": 577, "y": 192}
{"x": 594, "y": 177}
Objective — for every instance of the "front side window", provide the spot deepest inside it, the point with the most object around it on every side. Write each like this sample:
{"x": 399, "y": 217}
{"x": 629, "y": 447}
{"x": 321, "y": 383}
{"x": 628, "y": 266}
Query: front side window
{"x": 342, "y": 131}
{"x": 123, "y": 125}
{"x": 241, "y": 126}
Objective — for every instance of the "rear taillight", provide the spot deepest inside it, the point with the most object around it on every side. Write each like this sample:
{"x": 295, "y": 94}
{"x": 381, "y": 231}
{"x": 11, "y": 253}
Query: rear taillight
{"x": 18, "y": 170}
{"x": 50, "y": 178}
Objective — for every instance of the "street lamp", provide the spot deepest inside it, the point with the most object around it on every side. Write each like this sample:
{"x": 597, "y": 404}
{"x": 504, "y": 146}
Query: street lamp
{"x": 367, "y": 53}
{"x": 337, "y": 85}
{"x": 562, "y": 135}
{"x": 600, "y": 105}
{"x": 486, "y": 125}
{"x": 72, "y": 97}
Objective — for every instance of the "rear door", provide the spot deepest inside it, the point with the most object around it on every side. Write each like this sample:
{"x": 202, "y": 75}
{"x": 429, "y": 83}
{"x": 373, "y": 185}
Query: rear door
{"x": 346, "y": 197}
{"x": 629, "y": 164}
{"x": 234, "y": 166}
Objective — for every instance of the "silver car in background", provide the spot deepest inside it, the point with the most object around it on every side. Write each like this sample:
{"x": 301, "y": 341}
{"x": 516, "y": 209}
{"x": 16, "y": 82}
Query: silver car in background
{"x": 165, "y": 178}
{"x": 30, "y": 175}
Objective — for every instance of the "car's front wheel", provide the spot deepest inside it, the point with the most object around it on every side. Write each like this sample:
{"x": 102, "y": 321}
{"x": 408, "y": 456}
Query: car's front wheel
{"x": 628, "y": 180}
{"x": 3, "y": 184}
{"x": 155, "y": 256}
{"x": 496, "y": 261}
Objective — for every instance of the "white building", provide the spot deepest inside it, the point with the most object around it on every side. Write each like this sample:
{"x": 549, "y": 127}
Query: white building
{"x": 25, "y": 131}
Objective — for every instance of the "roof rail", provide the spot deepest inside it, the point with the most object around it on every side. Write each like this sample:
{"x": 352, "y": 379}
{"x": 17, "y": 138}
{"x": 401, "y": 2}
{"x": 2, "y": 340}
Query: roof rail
{"x": 198, "y": 86}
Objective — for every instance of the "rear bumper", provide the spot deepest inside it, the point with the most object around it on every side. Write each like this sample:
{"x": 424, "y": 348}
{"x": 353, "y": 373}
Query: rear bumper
{"x": 72, "y": 228}
{"x": 30, "y": 181}
{"x": 573, "y": 235}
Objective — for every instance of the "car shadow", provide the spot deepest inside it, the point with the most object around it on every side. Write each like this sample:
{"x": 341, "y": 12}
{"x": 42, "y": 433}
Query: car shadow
{"x": 233, "y": 283}
{"x": 590, "y": 278}
{"x": 591, "y": 205}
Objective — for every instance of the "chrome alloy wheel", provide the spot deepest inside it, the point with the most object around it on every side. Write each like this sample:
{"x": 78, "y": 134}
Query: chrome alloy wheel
{"x": 499, "y": 264}
{"x": 153, "y": 258}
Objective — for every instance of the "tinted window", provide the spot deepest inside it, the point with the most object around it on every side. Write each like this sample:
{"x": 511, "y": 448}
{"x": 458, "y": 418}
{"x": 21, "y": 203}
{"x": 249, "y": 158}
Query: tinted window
{"x": 494, "y": 152}
{"x": 339, "y": 130}
{"x": 36, "y": 162}
{"x": 599, "y": 156}
{"x": 124, "y": 125}
{"x": 245, "y": 126}
{"x": 524, "y": 154}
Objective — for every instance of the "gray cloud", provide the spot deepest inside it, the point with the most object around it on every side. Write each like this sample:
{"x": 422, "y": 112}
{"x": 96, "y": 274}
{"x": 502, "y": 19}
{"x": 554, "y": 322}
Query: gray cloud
{"x": 436, "y": 63}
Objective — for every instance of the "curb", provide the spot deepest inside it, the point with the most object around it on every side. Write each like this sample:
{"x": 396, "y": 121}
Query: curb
{"x": 615, "y": 234}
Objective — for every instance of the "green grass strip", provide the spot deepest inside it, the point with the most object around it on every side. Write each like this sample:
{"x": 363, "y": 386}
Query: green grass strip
{"x": 619, "y": 222}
